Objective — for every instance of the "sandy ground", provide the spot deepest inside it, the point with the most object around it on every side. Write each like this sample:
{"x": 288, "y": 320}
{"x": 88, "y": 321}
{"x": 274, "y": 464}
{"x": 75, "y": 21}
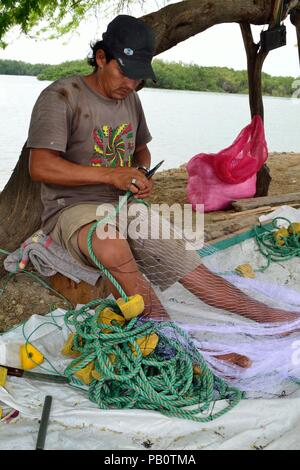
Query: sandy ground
{"x": 22, "y": 296}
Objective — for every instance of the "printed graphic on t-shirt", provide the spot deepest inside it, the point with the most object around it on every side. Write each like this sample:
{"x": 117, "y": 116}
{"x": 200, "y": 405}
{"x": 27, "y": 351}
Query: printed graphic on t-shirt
{"x": 113, "y": 147}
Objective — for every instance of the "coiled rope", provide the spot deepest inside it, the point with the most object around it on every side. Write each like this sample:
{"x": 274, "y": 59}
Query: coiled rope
{"x": 278, "y": 244}
{"x": 165, "y": 381}
{"x": 174, "y": 380}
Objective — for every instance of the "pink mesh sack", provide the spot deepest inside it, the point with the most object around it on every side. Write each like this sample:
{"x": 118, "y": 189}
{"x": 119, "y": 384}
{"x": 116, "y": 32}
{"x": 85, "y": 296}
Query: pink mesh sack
{"x": 217, "y": 179}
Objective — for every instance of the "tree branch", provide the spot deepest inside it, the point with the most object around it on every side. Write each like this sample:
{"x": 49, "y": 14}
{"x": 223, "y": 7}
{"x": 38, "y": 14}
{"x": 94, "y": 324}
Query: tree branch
{"x": 177, "y": 22}
{"x": 250, "y": 46}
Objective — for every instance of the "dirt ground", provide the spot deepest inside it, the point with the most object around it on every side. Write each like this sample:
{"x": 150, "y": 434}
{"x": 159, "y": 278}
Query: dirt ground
{"x": 22, "y": 296}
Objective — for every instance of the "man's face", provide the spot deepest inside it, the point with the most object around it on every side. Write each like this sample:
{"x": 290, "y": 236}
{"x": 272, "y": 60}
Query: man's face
{"x": 112, "y": 81}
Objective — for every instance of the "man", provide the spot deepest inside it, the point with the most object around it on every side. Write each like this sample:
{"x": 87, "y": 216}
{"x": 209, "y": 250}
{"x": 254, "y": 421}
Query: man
{"x": 88, "y": 139}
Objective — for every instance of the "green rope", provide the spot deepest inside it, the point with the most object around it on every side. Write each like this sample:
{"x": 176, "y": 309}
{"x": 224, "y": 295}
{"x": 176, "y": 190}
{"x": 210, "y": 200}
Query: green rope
{"x": 162, "y": 381}
{"x": 272, "y": 249}
{"x": 90, "y": 240}
{"x": 168, "y": 385}
{"x": 165, "y": 381}
{"x": 35, "y": 276}
{"x": 104, "y": 221}
{"x": 284, "y": 249}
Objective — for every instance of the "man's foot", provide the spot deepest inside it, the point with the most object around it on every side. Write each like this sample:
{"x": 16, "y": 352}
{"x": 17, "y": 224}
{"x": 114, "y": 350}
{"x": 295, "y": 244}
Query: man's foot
{"x": 238, "y": 359}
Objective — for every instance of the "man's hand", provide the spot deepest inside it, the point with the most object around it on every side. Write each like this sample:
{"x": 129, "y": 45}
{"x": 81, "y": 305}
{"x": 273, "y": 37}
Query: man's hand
{"x": 130, "y": 179}
{"x": 143, "y": 194}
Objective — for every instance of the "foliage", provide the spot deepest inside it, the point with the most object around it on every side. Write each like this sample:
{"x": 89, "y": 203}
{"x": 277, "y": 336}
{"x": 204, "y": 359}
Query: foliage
{"x": 66, "y": 69}
{"x": 17, "y": 67}
{"x": 170, "y": 75}
{"x": 28, "y": 13}
{"x": 51, "y": 17}
{"x": 180, "y": 76}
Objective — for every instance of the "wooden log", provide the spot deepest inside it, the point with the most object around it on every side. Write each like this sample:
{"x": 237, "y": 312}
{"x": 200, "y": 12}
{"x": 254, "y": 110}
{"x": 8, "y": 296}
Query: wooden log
{"x": 233, "y": 215}
{"x": 229, "y": 235}
{"x": 252, "y": 203}
{"x": 259, "y": 210}
{"x": 80, "y": 293}
{"x": 216, "y": 230}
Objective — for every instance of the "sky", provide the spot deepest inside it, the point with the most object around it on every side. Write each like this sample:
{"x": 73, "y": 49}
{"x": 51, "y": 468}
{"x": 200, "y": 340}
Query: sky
{"x": 221, "y": 45}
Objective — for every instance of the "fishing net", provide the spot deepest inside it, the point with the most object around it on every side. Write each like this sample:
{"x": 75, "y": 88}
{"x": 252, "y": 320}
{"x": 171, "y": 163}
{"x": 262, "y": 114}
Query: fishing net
{"x": 246, "y": 329}
{"x": 204, "y": 336}
{"x": 143, "y": 364}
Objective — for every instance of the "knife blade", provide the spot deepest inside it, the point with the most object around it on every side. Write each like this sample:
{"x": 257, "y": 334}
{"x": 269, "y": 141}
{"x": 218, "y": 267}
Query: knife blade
{"x": 151, "y": 172}
{"x": 13, "y": 371}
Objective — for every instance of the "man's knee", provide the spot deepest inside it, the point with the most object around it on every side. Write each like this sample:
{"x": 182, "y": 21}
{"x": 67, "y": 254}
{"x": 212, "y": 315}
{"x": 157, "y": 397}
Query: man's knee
{"x": 110, "y": 251}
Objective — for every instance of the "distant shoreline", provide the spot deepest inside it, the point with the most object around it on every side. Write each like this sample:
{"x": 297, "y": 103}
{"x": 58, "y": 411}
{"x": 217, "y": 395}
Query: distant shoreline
{"x": 167, "y": 89}
{"x": 170, "y": 76}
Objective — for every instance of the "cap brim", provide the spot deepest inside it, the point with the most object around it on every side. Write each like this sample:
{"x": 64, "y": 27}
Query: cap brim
{"x": 136, "y": 69}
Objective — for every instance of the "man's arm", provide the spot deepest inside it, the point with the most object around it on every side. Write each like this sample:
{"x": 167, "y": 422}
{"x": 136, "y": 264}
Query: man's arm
{"x": 142, "y": 156}
{"x": 47, "y": 166}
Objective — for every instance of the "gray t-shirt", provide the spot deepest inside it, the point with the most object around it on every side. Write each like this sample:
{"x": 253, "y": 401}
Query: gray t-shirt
{"x": 88, "y": 129}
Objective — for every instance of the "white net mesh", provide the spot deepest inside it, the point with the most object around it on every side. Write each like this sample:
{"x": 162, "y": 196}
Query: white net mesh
{"x": 246, "y": 329}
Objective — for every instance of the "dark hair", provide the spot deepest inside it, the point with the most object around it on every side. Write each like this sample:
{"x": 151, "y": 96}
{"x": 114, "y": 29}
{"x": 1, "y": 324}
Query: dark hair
{"x": 91, "y": 60}
{"x": 96, "y": 46}
{"x": 141, "y": 85}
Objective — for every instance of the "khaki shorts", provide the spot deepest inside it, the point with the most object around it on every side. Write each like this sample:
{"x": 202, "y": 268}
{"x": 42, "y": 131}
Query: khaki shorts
{"x": 162, "y": 261}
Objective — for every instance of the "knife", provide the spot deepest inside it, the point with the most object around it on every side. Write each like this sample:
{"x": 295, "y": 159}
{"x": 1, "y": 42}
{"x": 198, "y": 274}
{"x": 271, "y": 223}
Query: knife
{"x": 59, "y": 379}
{"x": 151, "y": 172}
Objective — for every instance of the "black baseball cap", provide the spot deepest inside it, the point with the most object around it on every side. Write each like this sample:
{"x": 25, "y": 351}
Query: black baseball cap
{"x": 131, "y": 43}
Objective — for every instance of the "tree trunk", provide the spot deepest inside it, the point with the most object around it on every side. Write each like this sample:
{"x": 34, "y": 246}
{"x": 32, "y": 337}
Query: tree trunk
{"x": 255, "y": 61}
{"x": 295, "y": 19}
{"x": 20, "y": 205}
{"x": 80, "y": 293}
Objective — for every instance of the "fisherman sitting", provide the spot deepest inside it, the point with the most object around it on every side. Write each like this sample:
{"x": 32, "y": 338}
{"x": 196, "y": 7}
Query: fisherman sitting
{"x": 88, "y": 145}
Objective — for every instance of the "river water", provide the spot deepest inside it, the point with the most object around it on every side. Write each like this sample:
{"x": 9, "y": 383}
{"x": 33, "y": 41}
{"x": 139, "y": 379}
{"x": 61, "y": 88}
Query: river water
{"x": 182, "y": 123}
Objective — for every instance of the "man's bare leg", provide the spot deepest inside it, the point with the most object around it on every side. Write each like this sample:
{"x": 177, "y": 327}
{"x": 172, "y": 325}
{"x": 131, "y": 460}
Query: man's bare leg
{"x": 116, "y": 256}
{"x": 219, "y": 293}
